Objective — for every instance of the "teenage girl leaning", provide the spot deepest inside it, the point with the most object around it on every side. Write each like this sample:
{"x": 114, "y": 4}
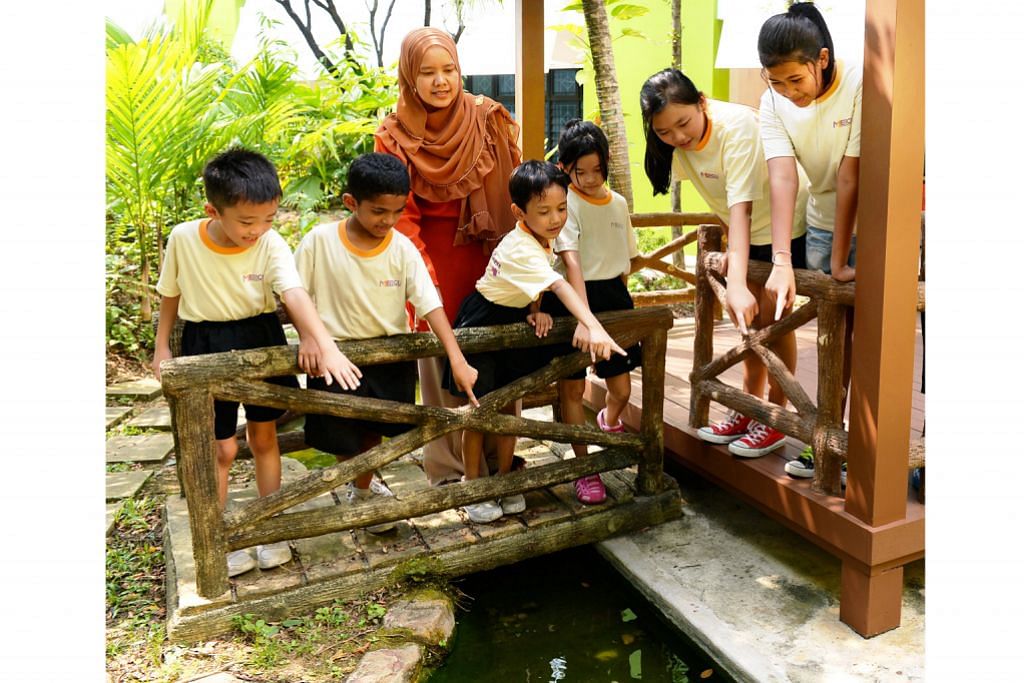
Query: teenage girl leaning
{"x": 596, "y": 249}
{"x": 811, "y": 114}
{"x": 717, "y": 146}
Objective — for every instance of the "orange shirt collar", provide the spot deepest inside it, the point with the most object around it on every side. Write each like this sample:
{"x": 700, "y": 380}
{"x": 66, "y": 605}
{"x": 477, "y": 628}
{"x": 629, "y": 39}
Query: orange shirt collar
{"x": 834, "y": 86}
{"x": 590, "y": 200}
{"x": 204, "y": 235}
{"x": 364, "y": 253}
{"x": 707, "y": 134}
{"x": 522, "y": 226}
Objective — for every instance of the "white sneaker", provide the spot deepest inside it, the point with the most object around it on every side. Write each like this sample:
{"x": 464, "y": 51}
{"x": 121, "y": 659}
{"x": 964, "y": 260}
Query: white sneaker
{"x": 484, "y": 512}
{"x": 377, "y": 488}
{"x": 273, "y": 555}
{"x": 240, "y": 561}
{"x": 512, "y": 505}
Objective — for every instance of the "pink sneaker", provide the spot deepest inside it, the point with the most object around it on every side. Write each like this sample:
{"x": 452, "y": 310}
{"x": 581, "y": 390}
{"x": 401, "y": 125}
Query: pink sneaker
{"x": 726, "y": 431}
{"x": 590, "y": 490}
{"x": 606, "y": 428}
{"x": 760, "y": 440}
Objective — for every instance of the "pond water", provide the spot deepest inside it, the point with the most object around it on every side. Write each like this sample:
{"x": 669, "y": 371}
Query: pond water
{"x": 568, "y": 616}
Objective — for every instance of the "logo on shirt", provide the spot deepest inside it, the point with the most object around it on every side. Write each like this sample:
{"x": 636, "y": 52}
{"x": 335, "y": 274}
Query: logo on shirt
{"x": 494, "y": 267}
{"x": 253, "y": 277}
{"x": 389, "y": 283}
{"x": 618, "y": 226}
{"x": 709, "y": 174}
{"x": 842, "y": 122}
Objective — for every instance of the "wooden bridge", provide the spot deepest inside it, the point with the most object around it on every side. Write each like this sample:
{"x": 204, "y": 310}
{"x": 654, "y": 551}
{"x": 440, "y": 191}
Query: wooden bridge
{"x": 203, "y": 599}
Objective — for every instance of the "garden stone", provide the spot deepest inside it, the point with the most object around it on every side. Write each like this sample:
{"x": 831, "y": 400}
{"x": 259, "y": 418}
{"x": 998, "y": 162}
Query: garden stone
{"x": 157, "y": 417}
{"x": 111, "y": 511}
{"x": 126, "y": 484}
{"x": 429, "y": 619}
{"x": 115, "y": 414}
{"x": 392, "y": 665}
{"x": 142, "y": 448}
{"x": 145, "y": 389}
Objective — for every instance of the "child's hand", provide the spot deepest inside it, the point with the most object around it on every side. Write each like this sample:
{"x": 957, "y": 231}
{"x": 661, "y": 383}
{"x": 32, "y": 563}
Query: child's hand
{"x": 581, "y": 337}
{"x": 601, "y": 344}
{"x": 781, "y": 288}
{"x": 843, "y": 273}
{"x": 333, "y": 364}
{"x": 465, "y": 376}
{"x": 309, "y": 356}
{"x": 541, "y": 322}
{"x": 741, "y": 306}
{"x": 159, "y": 356}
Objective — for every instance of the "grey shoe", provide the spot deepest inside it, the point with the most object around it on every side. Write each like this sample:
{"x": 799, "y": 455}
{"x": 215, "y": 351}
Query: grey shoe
{"x": 240, "y": 561}
{"x": 512, "y": 505}
{"x": 273, "y": 555}
{"x": 484, "y": 512}
{"x": 377, "y": 489}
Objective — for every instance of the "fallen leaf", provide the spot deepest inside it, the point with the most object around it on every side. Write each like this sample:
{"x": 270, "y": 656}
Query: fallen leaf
{"x": 706, "y": 673}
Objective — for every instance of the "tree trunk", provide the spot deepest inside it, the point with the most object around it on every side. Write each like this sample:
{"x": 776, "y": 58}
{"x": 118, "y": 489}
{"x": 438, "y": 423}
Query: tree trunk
{"x": 609, "y": 102}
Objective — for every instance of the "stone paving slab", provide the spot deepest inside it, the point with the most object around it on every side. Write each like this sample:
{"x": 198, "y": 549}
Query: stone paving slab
{"x": 156, "y": 417}
{"x": 122, "y": 485}
{"x": 112, "y": 509}
{"x": 139, "y": 448}
{"x": 144, "y": 389}
{"x": 115, "y": 414}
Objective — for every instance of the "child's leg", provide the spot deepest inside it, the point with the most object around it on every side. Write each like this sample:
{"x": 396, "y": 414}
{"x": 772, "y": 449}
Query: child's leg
{"x": 266, "y": 455}
{"x": 506, "y": 445}
{"x": 570, "y": 396}
{"x": 617, "y": 397}
{"x": 367, "y": 441}
{"x": 227, "y": 449}
{"x": 472, "y": 446}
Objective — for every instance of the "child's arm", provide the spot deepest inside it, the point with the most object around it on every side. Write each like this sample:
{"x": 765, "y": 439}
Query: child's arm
{"x": 463, "y": 373}
{"x": 600, "y": 344}
{"x": 540, "y": 320}
{"x": 168, "y": 316}
{"x": 325, "y": 359}
{"x": 781, "y": 284}
{"x": 574, "y": 274}
{"x": 846, "y": 216}
{"x": 739, "y": 302}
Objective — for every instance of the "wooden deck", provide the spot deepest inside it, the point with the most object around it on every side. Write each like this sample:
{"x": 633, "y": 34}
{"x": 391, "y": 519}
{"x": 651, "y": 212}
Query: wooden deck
{"x": 763, "y": 482}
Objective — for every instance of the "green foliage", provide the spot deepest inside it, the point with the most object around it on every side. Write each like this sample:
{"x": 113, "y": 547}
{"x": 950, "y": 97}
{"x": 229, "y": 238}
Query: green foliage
{"x": 175, "y": 99}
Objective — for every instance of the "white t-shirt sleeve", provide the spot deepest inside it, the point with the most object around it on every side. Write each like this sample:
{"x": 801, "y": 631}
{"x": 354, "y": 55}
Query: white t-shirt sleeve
{"x": 773, "y": 135}
{"x": 305, "y": 260}
{"x": 531, "y": 274}
{"x": 419, "y": 288}
{"x": 630, "y": 234}
{"x": 167, "y": 285}
{"x": 744, "y": 168}
{"x": 853, "y": 146}
{"x": 281, "y": 269}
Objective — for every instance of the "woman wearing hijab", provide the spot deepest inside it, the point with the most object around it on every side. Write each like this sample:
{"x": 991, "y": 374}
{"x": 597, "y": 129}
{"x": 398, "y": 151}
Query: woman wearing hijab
{"x": 460, "y": 150}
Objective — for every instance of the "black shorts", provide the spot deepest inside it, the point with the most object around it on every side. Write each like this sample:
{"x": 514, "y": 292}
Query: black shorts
{"x": 236, "y": 335}
{"x": 763, "y": 252}
{"x": 344, "y": 435}
{"x": 603, "y": 296}
{"x": 495, "y": 368}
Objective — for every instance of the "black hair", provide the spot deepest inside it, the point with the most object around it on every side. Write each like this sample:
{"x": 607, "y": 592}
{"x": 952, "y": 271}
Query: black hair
{"x": 532, "y": 179}
{"x": 668, "y": 86}
{"x": 797, "y": 36}
{"x": 580, "y": 138}
{"x": 375, "y": 174}
{"x": 240, "y": 175}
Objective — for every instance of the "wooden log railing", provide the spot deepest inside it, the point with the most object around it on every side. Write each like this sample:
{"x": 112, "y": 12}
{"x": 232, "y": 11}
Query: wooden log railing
{"x": 820, "y": 424}
{"x": 194, "y": 382}
{"x": 655, "y": 259}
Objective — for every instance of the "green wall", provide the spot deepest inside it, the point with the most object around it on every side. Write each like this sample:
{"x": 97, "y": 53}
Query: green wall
{"x": 637, "y": 58}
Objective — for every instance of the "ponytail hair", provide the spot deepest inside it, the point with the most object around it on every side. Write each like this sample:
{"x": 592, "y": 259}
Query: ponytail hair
{"x": 668, "y": 86}
{"x": 797, "y": 36}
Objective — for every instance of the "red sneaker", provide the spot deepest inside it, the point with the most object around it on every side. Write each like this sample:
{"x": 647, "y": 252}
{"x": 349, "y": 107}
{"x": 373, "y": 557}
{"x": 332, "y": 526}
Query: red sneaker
{"x": 590, "y": 490}
{"x": 760, "y": 440}
{"x": 726, "y": 431}
{"x": 605, "y": 427}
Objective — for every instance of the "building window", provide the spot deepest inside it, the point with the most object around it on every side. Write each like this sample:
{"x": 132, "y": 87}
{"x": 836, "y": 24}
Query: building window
{"x": 563, "y": 98}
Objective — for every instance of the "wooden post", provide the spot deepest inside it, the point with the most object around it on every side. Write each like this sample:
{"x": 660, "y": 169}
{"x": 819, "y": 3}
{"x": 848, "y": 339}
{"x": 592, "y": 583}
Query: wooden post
{"x": 888, "y": 215}
{"x": 649, "y": 471}
{"x": 831, "y": 343}
{"x": 708, "y": 240}
{"x": 197, "y": 463}
{"x": 530, "y": 77}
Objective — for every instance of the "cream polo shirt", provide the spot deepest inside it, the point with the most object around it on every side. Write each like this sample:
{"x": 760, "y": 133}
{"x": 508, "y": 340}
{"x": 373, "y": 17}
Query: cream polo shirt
{"x": 819, "y": 136}
{"x": 361, "y": 294}
{"x": 599, "y": 229}
{"x": 727, "y": 166}
{"x": 224, "y": 283}
{"x": 518, "y": 271}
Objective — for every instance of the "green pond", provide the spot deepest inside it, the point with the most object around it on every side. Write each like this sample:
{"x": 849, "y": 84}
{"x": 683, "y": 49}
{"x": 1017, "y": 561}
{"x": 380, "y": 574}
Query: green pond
{"x": 568, "y": 616}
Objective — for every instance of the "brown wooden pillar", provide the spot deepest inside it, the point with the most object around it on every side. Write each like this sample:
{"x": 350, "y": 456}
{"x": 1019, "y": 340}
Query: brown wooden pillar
{"x": 530, "y": 77}
{"x": 888, "y": 232}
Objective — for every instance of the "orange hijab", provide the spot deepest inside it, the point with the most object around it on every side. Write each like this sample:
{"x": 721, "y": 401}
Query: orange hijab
{"x": 465, "y": 151}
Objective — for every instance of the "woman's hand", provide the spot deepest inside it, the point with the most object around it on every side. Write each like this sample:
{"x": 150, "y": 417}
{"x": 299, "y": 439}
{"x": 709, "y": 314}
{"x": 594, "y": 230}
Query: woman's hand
{"x": 741, "y": 306}
{"x": 781, "y": 288}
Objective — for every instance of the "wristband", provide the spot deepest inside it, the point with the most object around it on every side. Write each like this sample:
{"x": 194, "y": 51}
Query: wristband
{"x": 781, "y": 251}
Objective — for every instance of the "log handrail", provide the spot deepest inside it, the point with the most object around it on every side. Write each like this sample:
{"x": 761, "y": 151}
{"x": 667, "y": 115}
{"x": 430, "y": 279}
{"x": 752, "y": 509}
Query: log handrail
{"x": 819, "y": 424}
{"x": 192, "y": 384}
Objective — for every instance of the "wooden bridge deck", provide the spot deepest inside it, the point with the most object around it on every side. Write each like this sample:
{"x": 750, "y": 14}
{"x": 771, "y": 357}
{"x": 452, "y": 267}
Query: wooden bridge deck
{"x": 345, "y": 564}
